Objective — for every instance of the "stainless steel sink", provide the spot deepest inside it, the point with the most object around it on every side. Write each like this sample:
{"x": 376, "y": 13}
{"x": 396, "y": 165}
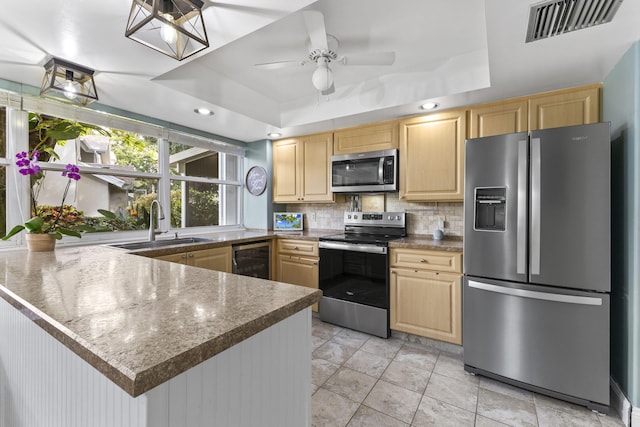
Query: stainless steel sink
{"x": 159, "y": 243}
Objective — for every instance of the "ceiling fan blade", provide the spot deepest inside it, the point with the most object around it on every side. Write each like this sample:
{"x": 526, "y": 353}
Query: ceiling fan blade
{"x": 314, "y": 21}
{"x": 279, "y": 64}
{"x": 329, "y": 91}
{"x": 369, "y": 58}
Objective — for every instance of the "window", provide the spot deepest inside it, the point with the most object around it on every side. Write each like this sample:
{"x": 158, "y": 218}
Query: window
{"x": 123, "y": 169}
{"x": 204, "y": 187}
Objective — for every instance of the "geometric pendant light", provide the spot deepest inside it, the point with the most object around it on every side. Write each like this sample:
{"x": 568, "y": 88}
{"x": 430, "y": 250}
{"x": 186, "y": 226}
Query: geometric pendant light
{"x": 68, "y": 82}
{"x": 173, "y": 27}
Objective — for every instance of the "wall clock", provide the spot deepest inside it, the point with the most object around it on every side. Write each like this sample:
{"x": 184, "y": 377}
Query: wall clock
{"x": 256, "y": 180}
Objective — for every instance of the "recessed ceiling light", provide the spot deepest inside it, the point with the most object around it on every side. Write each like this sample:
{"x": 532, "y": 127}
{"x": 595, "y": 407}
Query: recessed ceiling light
{"x": 203, "y": 111}
{"x": 274, "y": 135}
{"x": 429, "y": 105}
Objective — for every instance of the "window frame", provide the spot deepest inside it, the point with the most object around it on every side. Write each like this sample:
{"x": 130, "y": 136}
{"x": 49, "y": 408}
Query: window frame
{"x": 17, "y": 108}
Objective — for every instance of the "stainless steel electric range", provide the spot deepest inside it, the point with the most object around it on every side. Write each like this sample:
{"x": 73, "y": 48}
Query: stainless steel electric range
{"x": 354, "y": 271}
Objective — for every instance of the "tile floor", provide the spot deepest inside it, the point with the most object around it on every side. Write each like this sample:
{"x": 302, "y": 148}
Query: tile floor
{"x": 360, "y": 380}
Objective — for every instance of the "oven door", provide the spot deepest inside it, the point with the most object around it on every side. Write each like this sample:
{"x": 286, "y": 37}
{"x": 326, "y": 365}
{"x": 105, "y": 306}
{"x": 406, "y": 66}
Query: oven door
{"x": 354, "y": 279}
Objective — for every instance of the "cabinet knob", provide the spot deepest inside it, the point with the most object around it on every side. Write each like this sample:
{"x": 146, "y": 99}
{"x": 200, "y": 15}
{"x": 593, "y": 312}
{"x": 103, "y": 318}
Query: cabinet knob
{"x": 315, "y": 263}
{"x": 296, "y": 248}
{"x": 423, "y": 260}
{"x": 190, "y": 255}
{"x": 184, "y": 256}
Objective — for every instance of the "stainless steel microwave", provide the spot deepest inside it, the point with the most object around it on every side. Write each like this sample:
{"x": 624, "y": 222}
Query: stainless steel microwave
{"x": 370, "y": 172}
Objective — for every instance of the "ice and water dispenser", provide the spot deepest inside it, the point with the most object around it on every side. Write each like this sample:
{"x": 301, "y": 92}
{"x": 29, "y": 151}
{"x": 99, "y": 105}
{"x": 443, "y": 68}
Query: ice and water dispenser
{"x": 490, "y": 208}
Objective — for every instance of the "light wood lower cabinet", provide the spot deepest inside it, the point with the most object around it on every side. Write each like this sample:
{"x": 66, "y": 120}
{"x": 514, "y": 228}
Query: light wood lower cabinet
{"x": 297, "y": 263}
{"x": 218, "y": 259}
{"x": 426, "y": 295}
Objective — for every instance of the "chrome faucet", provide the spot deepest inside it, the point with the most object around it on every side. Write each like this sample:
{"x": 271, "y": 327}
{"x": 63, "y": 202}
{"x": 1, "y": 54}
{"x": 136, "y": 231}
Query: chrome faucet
{"x": 159, "y": 214}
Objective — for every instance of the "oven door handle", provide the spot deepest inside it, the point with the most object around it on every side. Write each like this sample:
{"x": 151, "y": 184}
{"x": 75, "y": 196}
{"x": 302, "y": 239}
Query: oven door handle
{"x": 372, "y": 249}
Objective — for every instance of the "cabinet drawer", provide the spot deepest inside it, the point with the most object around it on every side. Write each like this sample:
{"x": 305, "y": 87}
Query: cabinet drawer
{"x": 298, "y": 247}
{"x": 448, "y": 262}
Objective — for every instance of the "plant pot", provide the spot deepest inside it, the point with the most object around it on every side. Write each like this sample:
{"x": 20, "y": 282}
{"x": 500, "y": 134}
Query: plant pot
{"x": 40, "y": 242}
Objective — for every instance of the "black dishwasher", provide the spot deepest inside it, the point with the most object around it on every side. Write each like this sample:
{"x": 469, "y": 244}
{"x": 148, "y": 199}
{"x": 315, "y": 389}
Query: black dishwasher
{"x": 252, "y": 259}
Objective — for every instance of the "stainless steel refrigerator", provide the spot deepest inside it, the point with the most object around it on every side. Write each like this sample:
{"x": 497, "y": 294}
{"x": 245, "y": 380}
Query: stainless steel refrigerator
{"x": 537, "y": 261}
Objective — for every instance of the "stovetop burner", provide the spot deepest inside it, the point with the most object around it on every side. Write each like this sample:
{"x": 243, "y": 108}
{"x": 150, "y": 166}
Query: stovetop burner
{"x": 360, "y": 238}
{"x": 371, "y": 228}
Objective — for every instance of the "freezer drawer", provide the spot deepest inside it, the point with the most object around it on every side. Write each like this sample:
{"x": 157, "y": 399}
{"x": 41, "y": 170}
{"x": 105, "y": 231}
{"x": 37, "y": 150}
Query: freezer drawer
{"x": 556, "y": 341}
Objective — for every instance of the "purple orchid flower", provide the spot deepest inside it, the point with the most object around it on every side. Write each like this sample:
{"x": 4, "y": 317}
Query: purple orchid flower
{"x": 28, "y": 165}
{"x": 71, "y": 172}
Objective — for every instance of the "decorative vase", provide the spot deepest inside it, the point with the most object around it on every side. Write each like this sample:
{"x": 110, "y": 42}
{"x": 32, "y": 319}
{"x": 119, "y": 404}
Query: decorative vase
{"x": 40, "y": 242}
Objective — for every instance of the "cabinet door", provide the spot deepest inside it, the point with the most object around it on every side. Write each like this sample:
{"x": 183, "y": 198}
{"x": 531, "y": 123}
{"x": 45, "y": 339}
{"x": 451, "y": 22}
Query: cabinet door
{"x": 379, "y": 136}
{"x": 299, "y": 271}
{"x": 180, "y": 257}
{"x": 565, "y": 108}
{"x": 498, "y": 118}
{"x": 426, "y": 304}
{"x": 432, "y": 157}
{"x": 316, "y": 167}
{"x": 218, "y": 259}
{"x": 287, "y": 162}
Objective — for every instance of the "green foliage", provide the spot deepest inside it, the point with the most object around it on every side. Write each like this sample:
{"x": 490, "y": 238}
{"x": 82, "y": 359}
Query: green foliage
{"x": 69, "y": 222}
{"x": 46, "y": 131}
{"x": 134, "y": 150}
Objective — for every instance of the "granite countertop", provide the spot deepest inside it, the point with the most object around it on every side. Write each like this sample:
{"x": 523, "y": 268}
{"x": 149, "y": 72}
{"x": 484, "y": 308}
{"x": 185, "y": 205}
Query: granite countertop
{"x": 227, "y": 238}
{"x": 427, "y": 242}
{"x": 142, "y": 321}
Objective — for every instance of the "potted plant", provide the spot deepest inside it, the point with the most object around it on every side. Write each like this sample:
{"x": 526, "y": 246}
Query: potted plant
{"x": 42, "y": 232}
{"x": 45, "y": 225}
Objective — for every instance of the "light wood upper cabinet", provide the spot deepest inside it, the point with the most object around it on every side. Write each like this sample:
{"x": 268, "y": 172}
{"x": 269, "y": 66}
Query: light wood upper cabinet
{"x": 565, "y": 108}
{"x": 432, "y": 157}
{"x": 287, "y": 163}
{"x": 425, "y": 293}
{"x": 301, "y": 169}
{"x": 498, "y": 118}
{"x": 378, "y": 136}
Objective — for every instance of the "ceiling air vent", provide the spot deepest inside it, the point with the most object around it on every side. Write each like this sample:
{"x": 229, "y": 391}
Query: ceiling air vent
{"x": 555, "y": 17}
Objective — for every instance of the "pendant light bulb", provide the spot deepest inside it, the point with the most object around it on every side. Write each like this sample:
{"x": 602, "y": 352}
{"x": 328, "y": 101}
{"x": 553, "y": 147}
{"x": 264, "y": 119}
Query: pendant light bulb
{"x": 70, "y": 87}
{"x": 167, "y": 32}
{"x": 322, "y": 77}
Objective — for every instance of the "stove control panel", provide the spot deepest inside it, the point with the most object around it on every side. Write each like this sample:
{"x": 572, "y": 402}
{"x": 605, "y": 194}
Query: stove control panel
{"x": 381, "y": 219}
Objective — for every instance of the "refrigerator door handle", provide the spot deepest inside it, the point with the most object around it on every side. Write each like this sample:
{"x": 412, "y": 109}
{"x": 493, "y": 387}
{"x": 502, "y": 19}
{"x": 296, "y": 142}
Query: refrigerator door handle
{"x": 521, "y": 222}
{"x": 536, "y": 196}
{"x": 546, "y": 296}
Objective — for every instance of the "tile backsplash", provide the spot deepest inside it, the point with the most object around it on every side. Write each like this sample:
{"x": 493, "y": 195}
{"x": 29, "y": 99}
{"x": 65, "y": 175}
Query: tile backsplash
{"x": 422, "y": 217}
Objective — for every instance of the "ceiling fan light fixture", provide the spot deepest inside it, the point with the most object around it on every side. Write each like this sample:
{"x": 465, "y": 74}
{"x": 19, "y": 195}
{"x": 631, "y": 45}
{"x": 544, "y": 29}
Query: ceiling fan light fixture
{"x": 68, "y": 82}
{"x": 322, "y": 77}
{"x": 172, "y": 27}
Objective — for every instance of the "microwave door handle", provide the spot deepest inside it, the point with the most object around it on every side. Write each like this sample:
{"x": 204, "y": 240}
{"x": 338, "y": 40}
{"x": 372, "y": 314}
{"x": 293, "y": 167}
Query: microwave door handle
{"x": 381, "y": 171}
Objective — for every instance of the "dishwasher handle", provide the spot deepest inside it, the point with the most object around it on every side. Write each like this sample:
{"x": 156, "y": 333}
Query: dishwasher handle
{"x": 246, "y": 246}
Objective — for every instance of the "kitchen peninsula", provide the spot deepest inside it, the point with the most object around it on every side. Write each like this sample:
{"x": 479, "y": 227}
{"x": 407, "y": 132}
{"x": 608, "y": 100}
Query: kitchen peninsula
{"x": 95, "y": 336}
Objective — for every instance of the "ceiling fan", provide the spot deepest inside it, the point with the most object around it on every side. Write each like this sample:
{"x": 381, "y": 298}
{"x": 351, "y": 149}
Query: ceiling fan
{"x": 323, "y": 50}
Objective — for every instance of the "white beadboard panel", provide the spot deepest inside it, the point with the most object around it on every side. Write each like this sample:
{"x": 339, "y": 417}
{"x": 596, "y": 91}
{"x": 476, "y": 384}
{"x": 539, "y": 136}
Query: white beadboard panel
{"x": 262, "y": 381}
{"x": 42, "y": 383}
